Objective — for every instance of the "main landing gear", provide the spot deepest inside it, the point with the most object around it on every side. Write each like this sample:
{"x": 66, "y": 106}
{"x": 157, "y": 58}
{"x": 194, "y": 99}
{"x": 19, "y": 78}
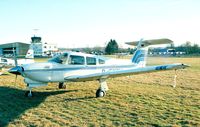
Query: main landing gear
{"x": 61, "y": 85}
{"x": 102, "y": 89}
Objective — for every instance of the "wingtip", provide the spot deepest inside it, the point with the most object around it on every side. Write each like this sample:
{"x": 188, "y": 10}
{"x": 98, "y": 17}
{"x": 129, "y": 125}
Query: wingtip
{"x": 185, "y": 65}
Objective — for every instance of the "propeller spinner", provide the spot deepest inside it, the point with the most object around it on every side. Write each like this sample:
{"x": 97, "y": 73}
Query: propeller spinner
{"x": 17, "y": 70}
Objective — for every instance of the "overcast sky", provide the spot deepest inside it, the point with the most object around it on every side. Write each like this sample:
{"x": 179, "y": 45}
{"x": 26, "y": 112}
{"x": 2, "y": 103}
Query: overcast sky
{"x": 87, "y": 23}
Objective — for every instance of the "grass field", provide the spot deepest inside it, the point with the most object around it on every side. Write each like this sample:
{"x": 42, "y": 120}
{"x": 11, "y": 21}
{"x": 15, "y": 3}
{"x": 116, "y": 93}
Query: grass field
{"x": 137, "y": 100}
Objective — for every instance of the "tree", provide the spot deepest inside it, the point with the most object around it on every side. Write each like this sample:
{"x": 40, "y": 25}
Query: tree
{"x": 112, "y": 47}
{"x": 188, "y": 48}
{"x": 196, "y": 49}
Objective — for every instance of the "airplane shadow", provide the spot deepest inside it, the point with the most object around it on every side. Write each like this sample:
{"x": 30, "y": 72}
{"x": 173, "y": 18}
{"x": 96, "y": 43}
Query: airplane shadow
{"x": 13, "y": 103}
{"x": 77, "y": 99}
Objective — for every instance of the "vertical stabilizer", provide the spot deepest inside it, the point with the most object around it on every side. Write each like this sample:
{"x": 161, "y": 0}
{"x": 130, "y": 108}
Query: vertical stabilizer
{"x": 30, "y": 54}
{"x": 29, "y": 58}
{"x": 140, "y": 54}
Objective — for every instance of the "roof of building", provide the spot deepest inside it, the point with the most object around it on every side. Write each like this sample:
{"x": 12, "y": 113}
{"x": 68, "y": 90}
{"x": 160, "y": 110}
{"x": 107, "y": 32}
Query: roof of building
{"x": 12, "y": 44}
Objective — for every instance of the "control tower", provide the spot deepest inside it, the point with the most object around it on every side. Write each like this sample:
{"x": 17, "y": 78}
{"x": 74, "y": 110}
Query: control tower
{"x": 36, "y": 45}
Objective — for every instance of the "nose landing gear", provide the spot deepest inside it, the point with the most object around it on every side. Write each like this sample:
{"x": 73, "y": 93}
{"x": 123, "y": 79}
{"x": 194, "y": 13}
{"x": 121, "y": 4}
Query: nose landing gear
{"x": 29, "y": 93}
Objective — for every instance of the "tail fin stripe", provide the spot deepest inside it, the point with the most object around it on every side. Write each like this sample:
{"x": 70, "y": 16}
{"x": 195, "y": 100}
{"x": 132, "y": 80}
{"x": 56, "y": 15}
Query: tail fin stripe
{"x": 139, "y": 56}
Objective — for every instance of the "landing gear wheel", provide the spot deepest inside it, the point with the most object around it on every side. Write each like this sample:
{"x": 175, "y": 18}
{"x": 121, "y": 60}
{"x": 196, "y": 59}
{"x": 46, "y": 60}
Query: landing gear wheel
{"x": 61, "y": 85}
{"x": 100, "y": 93}
{"x": 28, "y": 94}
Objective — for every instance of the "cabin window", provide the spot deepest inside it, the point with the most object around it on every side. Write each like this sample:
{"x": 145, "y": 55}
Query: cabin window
{"x": 91, "y": 61}
{"x": 101, "y": 61}
{"x": 76, "y": 60}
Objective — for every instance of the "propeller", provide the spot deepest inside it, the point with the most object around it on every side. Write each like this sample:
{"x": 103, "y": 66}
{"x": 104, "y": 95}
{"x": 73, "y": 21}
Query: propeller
{"x": 17, "y": 70}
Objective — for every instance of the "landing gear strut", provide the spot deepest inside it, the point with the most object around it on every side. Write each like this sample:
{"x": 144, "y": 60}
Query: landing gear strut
{"x": 102, "y": 89}
{"x": 29, "y": 93}
{"x": 61, "y": 85}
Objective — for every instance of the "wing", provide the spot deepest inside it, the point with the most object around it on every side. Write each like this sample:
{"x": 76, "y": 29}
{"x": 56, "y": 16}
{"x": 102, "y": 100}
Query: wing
{"x": 126, "y": 72}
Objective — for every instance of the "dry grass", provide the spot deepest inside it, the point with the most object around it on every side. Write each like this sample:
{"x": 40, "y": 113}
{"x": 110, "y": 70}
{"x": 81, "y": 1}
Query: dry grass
{"x": 138, "y": 100}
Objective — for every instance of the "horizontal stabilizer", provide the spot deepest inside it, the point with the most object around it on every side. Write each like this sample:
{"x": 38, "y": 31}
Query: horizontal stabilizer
{"x": 151, "y": 42}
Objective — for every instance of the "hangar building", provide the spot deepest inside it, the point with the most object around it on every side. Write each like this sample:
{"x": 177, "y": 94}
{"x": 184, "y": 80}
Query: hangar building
{"x": 20, "y": 49}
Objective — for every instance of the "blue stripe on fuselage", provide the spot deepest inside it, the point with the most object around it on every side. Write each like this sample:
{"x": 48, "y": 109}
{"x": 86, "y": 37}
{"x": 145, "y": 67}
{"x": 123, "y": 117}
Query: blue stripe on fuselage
{"x": 79, "y": 68}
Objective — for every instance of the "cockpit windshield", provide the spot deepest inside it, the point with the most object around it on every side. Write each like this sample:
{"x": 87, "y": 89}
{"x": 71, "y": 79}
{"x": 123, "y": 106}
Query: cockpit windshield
{"x": 71, "y": 58}
{"x": 59, "y": 58}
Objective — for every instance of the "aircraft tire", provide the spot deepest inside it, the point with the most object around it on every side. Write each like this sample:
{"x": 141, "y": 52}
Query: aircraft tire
{"x": 100, "y": 93}
{"x": 28, "y": 94}
{"x": 61, "y": 85}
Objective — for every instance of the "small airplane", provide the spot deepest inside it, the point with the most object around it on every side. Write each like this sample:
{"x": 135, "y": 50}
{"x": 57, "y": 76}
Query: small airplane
{"x": 77, "y": 66}
{"x": 11, "y": 62}
{"x": 7, "y": 63}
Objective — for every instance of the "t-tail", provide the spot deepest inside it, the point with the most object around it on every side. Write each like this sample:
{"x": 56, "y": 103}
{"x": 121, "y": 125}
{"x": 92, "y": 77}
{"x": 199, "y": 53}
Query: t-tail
{"x": 140, "y": 55}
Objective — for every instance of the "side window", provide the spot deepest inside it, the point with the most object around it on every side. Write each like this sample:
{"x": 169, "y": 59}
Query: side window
{"x": 101, "y": 61}
{"x": 91, "y": 61}
{"x": 76, "y": 60}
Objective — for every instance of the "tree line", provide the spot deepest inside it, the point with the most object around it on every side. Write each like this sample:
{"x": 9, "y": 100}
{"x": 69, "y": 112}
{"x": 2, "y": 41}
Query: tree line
{"x": 188, "y": 48}
{"x": 112, "y": 48}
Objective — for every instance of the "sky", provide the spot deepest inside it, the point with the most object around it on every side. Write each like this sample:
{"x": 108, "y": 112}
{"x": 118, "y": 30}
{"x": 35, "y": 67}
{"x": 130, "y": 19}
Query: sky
{"x": 89, "y": 23}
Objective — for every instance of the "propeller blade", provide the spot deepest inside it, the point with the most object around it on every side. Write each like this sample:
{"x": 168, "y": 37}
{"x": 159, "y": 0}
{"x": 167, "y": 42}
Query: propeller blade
{"x": 15, "y": 79}
{"x": 15, "y": 57}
